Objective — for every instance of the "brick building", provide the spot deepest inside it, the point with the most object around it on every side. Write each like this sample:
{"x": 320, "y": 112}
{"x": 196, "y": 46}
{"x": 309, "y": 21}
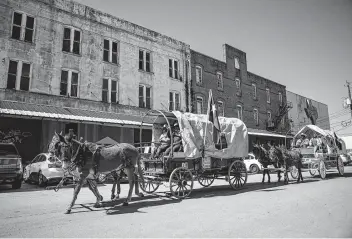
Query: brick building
{"x": 65, "y": 65}
{"x": 259, "y": 102}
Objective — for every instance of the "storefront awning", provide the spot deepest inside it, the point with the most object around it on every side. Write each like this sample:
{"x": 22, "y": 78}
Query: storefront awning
{"x": 261, "y": 132}
{"x": 19, "y": 109}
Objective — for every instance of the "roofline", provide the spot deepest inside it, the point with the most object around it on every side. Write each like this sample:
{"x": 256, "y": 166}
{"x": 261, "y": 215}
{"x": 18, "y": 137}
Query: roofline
{"x": 49, "y": 2}
{"x": 249, "y": 72}
{"x": 197, "y": 52}
{"x": 308, "y": 98}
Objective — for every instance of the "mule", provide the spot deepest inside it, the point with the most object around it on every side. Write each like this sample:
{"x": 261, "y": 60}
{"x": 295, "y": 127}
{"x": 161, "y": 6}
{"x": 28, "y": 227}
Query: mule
{"x": 104, "y": 160}
{"x": 292, "y": 158}
{"x": 266, "y": 158}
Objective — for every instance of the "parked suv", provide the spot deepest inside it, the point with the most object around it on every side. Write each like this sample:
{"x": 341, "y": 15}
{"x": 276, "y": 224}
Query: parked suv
{"x": 43, "y": 169}
{"x": 11, "y": 171}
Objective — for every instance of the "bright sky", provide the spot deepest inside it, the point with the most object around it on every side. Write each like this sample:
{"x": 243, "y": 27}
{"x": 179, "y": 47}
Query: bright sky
{"x": 303, "y": 44}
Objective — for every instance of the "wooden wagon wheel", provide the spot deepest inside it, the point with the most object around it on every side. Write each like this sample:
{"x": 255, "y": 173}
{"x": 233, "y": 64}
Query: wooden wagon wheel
{"x": 150, "y": 185}
{"x": 313, "y": 168}
{"x": 181, "y": 182}
{"x": 340, "y": 166}
{"x": 237, "y": 174}
{"x": 322, "y": 169}
{"x": 206, "y": 180}
{"x": 294, "y": 172}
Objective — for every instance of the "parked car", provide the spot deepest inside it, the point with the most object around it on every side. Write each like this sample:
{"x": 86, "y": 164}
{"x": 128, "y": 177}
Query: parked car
{"x": 252, "y": 164}
{"x": 11, "y": 171}
{"x": 44, "y": 168}
{"x": 346, "y": 158}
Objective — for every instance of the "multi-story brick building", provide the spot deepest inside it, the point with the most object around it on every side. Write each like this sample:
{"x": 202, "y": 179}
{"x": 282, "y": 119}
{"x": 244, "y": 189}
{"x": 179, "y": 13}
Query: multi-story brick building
{"x": 259, "y": 102}
{"x": 65, "y": 65}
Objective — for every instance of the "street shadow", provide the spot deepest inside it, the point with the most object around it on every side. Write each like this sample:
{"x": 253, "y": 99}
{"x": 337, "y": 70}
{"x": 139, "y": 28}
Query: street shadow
{"x": 116, "y": 207}
{"x": 30, "y": 187}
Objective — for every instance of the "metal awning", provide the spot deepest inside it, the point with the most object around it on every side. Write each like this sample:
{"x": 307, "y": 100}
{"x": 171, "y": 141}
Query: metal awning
{"x": 20, "y": 109}
{"x": 261, "y": 132}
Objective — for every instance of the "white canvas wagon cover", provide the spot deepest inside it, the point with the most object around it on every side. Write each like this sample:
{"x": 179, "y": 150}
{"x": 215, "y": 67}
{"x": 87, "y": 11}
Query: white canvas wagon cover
{"x": 192, "y": 130}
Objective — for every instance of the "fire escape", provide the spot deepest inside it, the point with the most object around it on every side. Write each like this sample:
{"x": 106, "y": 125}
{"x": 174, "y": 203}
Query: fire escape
{"x": 273, "y": 124}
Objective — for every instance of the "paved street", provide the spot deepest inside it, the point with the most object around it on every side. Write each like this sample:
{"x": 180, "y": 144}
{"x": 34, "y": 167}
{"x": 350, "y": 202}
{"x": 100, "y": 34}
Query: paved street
{"x": 314, "y": 208}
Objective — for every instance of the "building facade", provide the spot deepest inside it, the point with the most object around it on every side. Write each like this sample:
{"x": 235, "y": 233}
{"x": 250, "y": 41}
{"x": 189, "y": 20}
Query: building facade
{"x": 260, "y": 103}
{"x": 307, "y": 111}
{"x": 65, "y": 65}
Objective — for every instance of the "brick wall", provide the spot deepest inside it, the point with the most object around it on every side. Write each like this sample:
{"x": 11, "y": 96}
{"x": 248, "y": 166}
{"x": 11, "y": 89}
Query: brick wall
{"x": 230, "y": 94}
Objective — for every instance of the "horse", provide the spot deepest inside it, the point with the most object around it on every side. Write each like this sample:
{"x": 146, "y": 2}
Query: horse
{"x": 292, "y": 158}
{"x": 266, "y": 158}
{"x": 105, "y": 159}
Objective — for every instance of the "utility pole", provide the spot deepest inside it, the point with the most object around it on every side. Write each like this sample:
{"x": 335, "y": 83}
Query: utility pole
{"x": 349, "y": 95}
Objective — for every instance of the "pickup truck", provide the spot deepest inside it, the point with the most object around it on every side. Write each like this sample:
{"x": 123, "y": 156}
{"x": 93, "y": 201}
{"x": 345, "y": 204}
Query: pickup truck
{"x": 11, "y": 170}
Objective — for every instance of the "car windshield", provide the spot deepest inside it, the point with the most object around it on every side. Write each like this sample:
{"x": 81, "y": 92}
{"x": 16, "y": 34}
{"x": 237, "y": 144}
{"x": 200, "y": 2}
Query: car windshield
{"x": 7, "y": 149}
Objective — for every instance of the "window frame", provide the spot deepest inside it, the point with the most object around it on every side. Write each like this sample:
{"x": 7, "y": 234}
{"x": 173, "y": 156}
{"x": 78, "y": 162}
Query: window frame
{"x": 200, "y": 81}
{"x": 254, "y": 91}
{"x": 267, "y": 91}
{"x": 174, "y": 108}
{"x": 221, "y": 80}
{"x": 174, "y": 70}
{"x": 239, "y": 113}
{"x": 23, "y": 26}
{"x": 19, "y": 72}
{"x": 223, "y": 108}
{"x": 69, "y": 83}
{"x": 280, "y": 98}
{"x": 237, "y": 63}
{"x": 110, "y": 51}
{"x": 256, "y": 116}
{"x": 72, "y": 36}
{"x": 145, "y": 96}
{"x": 110, "y": 90}
{"x": 144, "y": 60}
{"x": 201, "y": 98}
{"x": 268, "y": 114}
{"x": 238, "y": 83}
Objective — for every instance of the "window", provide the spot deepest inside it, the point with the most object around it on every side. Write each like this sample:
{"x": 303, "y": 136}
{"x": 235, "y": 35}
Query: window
{"x": 280, "y": 98}
{"x": 219, "y": 81}
{"x": 173, "y": 68}
{"x": 174, "y": 101}
{"x": 109, "y": 91}
{"x": 18, "y": 77}
{"x": 255, "y": 115}
{"x": 221, "y": 108}
{"x": 267, "y": 95}
{"x": 254, "y": 91}
{"x": 239, "y": 112}
{"x": 199, "y": 76}
{"x": 69, "y": 83}
{"x": 144, "y": 60}
{"x": 199, "y": 105}
{"x": 72, "y": 40}
{"x": 237, "y": 63}
{"x": 238, "y": 84}
{"x": 110, "y": 51}
{"x": 22, "y": 27}
{"x": 144, "y": 96}
{"x": 269, "y": 116}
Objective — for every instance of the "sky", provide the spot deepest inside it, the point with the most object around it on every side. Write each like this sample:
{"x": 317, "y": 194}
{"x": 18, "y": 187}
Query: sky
{"x": 303, "y": 44}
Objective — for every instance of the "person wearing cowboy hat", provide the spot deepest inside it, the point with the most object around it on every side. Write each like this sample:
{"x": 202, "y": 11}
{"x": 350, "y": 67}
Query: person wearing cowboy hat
{"x": 177, "y": 140}
{"x": 164, "y": 140}
{"x": 305, "y": 141}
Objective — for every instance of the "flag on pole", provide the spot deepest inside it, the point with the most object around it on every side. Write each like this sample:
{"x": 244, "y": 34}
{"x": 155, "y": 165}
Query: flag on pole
{"x": 212, "y": 112}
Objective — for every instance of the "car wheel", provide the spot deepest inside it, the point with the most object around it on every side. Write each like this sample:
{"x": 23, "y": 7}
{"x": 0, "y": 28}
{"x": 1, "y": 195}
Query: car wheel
{"x": 41, "y": 180}
{"x": 17, "y": 184}
{"x": 25, "y": 176}
{"x": 254, "y": 168}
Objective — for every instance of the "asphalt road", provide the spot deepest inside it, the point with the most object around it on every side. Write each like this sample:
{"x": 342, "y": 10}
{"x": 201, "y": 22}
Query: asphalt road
{"x": 315, "y": 208}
